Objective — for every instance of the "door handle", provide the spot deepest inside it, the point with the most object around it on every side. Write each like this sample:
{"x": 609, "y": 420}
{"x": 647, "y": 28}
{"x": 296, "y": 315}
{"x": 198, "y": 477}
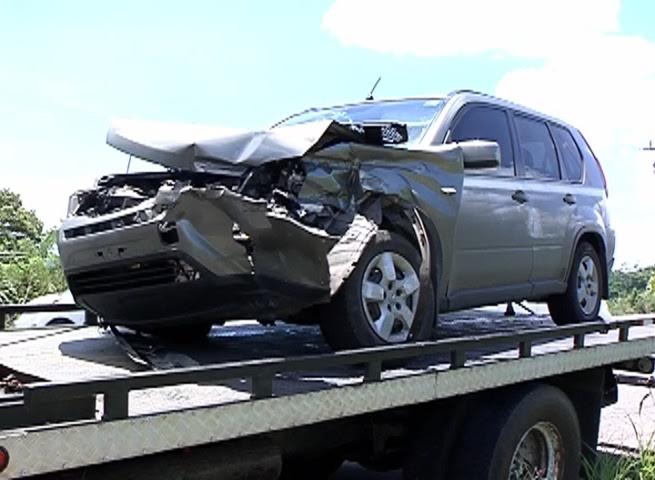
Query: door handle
{"x": 519, "y": 196}
{"x": 568, "y": 198}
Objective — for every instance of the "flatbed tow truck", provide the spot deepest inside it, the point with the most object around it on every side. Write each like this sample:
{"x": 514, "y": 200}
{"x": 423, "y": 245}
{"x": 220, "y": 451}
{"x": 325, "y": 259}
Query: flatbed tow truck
{"x": 492, "y": 397}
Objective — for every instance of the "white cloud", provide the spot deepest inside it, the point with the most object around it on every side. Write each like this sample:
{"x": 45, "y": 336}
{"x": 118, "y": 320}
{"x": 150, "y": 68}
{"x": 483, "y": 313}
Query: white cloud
{"x": 444, "y": 27}
{"x": 589, "y": 74}
{"x": 608, "y": 92}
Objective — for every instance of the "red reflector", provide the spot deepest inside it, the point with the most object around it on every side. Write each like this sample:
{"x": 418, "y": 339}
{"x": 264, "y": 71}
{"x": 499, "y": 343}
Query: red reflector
{"x": 4, "y": 459}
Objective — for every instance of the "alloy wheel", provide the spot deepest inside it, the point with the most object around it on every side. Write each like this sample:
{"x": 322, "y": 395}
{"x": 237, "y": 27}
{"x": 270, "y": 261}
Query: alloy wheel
{"x": 390, "y": 291}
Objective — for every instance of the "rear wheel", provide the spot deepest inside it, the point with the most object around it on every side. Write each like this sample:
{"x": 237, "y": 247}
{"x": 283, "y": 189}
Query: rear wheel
{"x": 581, "y": 300}
{"x": 533, "y": 434}
{"x": 383, "y": 301}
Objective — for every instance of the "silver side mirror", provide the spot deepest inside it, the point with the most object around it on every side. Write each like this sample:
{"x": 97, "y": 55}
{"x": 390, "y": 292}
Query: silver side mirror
{"x": 480, "y": 154}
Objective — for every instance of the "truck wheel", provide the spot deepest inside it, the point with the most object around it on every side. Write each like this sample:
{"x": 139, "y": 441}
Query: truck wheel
{"x": 530, "y": 434}
{"x": 382, "y": 301}
{"x": 581, "y": 300}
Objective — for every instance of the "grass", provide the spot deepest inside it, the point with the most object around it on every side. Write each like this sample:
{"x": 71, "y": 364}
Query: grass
{"x": 637, "y": 465}
{"x": 640, "y": 466}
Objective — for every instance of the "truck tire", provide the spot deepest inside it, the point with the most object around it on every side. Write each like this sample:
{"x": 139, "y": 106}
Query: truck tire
{"x": 383, "y": 301}
{"x": 581, "y": 300}
{"x": 526, "y": 433}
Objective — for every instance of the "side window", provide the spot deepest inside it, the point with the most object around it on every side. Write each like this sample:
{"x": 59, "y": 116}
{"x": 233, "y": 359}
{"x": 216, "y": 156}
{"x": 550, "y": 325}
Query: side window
{"x": 537, "y": 148}
{"x": 486, "y": 123}
{"x": 593, "y": 170}
{"x": 571, "y": 157}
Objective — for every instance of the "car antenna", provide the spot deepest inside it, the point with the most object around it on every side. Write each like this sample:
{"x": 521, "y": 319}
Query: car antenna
{"x": 129, "y": 161}
{"x": 370, "y": 95}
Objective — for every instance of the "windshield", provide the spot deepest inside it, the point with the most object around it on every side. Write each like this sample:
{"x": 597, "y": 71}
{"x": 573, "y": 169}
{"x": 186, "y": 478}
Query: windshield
{"x": 417, "y": 114}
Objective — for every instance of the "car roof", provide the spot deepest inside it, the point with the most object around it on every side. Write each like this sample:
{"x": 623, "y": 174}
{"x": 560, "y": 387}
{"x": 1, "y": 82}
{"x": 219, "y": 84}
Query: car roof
{"x": 464, "y": 95}
{"x": 474, "y": 96}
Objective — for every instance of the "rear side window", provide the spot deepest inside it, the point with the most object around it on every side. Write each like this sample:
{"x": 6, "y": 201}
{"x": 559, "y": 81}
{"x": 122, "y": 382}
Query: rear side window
{"x": 594, "y": 174}
{"x": 485, "y": 123}
{"x": 537, "y": 149}
{"x": 571, "y": 158}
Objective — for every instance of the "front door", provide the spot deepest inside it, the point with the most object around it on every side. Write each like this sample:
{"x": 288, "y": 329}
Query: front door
{"x": 493, "y": 251}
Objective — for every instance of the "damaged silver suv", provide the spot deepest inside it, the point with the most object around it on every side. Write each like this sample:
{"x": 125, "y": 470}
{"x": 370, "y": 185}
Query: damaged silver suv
{"x": 367, "y": 219}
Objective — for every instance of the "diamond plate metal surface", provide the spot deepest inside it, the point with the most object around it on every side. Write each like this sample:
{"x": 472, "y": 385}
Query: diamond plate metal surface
{"x": 53, "y": 448}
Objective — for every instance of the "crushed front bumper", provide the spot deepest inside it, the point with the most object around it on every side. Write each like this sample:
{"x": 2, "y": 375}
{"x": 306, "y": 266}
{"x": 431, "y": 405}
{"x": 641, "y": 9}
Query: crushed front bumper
{"x": 186, "y": 264}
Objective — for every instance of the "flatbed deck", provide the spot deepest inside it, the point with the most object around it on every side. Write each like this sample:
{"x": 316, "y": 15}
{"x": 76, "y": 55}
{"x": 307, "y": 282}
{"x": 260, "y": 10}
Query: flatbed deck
{"x": 249, "y": 379}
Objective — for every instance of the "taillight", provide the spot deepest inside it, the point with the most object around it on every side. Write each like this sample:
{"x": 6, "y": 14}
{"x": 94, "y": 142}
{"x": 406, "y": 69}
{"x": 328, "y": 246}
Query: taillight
{"x": 587, "y": 147}
{"x": 4, "y": 459}
{"x": 602, "y": 173}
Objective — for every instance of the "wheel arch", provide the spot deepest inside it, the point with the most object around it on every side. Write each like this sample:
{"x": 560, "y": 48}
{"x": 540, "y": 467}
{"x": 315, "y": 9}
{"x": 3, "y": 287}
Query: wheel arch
{"x": 400, "y": 221}
{"x": 595, "y": 239}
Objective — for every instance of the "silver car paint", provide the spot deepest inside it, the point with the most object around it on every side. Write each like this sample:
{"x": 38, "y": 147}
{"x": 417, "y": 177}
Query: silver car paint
{"x": 285, "y": 250}
{"x": 553, "y": 227}
{"x": 490, "y": 248}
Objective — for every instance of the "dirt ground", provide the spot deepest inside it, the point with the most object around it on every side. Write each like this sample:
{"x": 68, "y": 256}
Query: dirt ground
{"x": 631, "y": 420}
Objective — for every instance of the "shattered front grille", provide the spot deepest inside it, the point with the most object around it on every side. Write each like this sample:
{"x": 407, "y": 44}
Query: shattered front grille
{"x": 113, "y": 224}
{"x": 135, "y": 275}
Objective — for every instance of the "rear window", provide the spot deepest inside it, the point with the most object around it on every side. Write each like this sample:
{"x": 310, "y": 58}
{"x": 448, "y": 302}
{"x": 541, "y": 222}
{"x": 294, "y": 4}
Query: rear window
{"x": 537, "y": 149}
{"x": 594, "y": 174}
{"x": 570, "y": 155}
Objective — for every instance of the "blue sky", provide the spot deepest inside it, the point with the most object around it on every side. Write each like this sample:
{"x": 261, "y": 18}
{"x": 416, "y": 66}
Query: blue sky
{"x": 69, "y": 67}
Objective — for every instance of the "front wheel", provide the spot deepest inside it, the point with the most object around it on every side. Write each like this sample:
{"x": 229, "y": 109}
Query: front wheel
{"x": 383, "y": 301}
{"x": 581, "y": 300}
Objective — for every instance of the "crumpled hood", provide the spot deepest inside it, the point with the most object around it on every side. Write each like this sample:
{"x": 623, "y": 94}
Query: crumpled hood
{"x": 202, "y": 148}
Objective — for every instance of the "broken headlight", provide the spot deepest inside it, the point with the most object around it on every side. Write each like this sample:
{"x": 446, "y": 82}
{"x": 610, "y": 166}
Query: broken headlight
{"x": 73, "y": 204}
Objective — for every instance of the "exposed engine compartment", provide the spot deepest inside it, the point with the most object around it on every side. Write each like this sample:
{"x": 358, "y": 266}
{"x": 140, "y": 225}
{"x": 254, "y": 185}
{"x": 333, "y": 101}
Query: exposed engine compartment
{"x": 279, "y": 183}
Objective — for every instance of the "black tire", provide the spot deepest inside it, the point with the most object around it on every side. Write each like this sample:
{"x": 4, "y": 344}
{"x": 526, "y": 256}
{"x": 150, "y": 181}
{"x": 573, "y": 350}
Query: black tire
{"x": 494, "y": 430}
{"x": 565, "y": 308}
{"x": 343, "y": 321}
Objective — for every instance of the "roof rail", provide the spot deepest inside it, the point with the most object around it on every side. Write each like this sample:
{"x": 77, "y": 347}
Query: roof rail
{"x": 469, "y": 90}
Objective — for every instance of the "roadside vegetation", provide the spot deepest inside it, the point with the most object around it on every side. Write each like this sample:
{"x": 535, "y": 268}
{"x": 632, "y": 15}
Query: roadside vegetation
{"x": 632, "y": 290}
{"x": 636, "y": 465}
{"x": 29, "y": 264}
{"x": 640, "y": 466}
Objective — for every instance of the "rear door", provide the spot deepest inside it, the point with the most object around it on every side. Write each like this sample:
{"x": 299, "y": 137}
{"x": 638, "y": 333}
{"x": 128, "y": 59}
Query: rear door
{"x": 550, "y": 201}
{"x": 493, "y": 254}
{"x": 578, "y": 197}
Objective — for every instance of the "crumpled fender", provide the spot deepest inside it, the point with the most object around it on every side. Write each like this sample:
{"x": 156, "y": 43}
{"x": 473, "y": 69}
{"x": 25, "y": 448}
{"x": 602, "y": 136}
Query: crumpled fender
{"x": 344, "y": 175}
{"x": 429, "y": 181}
{"x": 283, "y": 249}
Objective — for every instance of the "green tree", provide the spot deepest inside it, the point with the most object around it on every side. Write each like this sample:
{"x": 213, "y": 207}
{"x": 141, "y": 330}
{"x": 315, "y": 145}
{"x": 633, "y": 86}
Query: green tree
{"x": 16, "y": 222}
{"x": 29, "y": 265}
{"x": 632, "y": 290}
